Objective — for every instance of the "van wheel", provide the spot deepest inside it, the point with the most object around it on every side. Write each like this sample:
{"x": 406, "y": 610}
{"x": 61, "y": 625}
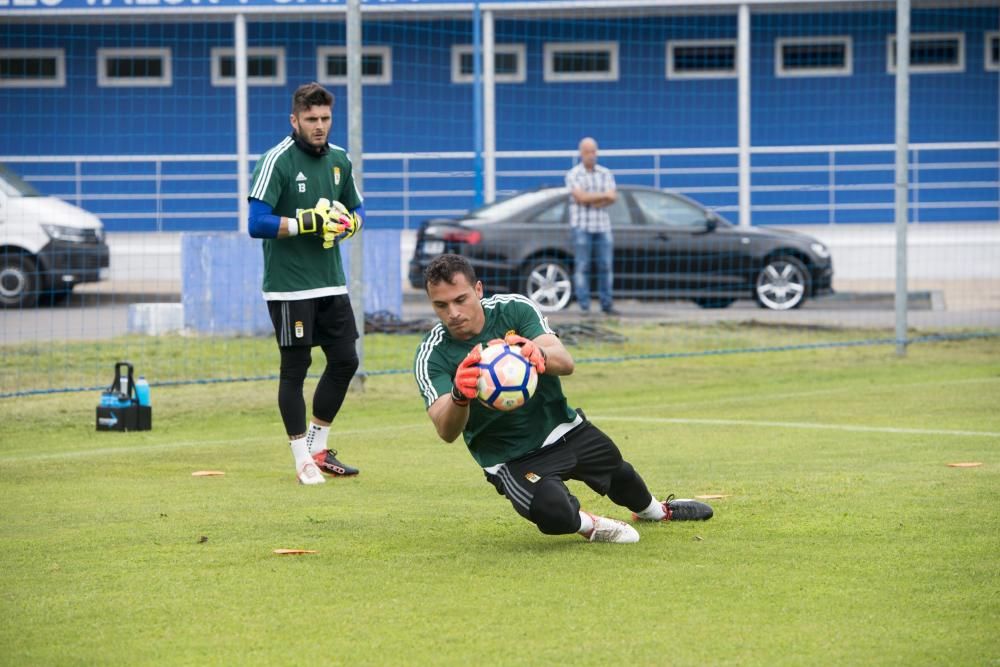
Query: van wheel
{"x": 19, "y": 281}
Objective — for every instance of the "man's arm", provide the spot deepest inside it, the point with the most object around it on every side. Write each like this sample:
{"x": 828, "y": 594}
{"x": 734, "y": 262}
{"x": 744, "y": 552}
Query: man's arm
{"x": 451, "y": 411}
{"x": 262, "y": 223}
{"x": 558, "y": 360}
{"x": 545, "y": 352}
{"x": 449, "y": 417}
{"x": 595, "y": 199}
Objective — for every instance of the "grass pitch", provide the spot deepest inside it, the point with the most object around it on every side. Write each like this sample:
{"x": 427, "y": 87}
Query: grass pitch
{"x": 845, "y": 537}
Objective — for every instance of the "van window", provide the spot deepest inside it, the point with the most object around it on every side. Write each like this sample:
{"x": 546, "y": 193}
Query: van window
{"x": 12, "y": 184}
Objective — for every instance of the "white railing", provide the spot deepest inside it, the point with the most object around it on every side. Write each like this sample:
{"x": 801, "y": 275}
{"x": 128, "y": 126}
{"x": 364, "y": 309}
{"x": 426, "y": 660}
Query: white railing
{"x": 820, "y": 184}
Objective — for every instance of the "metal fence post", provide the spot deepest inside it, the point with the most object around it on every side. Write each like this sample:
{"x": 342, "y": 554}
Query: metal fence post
{"x": 902, "y": 166}
{"x": 743, "y": 58}
{"x": 831, "y": 184}
{"x": 242, "y": 123}
{"x": 159, "y": 196}
{"x": 356, "y": 147}
{"x": 406, "y": 193}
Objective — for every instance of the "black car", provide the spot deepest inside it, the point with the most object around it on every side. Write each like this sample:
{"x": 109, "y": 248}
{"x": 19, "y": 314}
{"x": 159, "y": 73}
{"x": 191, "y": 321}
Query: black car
{"x": 666, "y": 246}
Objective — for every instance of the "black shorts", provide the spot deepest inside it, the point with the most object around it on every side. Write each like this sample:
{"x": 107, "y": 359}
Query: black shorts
{"x": 585, "y": 454}
{"x": 327, "y": 320}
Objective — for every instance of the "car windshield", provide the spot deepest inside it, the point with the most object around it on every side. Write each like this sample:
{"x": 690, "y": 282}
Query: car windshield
{"x": 12, "y": 184}
{"x": 506, "y": 208}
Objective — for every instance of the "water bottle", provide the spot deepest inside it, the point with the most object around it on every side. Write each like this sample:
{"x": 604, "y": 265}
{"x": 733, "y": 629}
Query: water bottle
{"x": 142, "y": 390}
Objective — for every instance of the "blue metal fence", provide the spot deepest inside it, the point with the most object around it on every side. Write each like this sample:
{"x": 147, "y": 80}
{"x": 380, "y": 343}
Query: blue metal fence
{"x": 791, "y": 184}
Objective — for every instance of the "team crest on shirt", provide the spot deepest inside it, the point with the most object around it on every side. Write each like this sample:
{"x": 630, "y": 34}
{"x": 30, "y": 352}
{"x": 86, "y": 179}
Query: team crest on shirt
{"x": 532, "y": 477}
{"x": 336, "y": 175}
{"x": 510, "y": 332}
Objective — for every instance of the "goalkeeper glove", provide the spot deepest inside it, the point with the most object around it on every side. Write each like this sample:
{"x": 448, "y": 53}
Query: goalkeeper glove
{"x": 529, "y": 350}
{"x": 311, "y": 220}
{"x": 466, "y": 382}
{"x": 342, "y": 225}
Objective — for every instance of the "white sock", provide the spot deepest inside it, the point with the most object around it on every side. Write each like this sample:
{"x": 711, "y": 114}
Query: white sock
{"x": 316, "y": 437}
{"x": 654, "y": 512}
{"x": 300, "y": 450}
{"x": 586, "y": 523}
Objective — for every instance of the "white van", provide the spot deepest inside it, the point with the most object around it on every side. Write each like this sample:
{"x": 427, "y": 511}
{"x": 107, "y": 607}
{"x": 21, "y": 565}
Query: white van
{"x": 46, "y": 245}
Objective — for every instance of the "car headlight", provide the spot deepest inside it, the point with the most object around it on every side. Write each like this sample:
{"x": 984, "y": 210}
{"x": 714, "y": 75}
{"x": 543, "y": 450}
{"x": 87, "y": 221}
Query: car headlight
{"x": 69, "y": 234}
{"x": 820, "y": 249}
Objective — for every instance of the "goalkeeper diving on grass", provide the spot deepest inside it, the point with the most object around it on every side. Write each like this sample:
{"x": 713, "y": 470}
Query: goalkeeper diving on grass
{"x": 528, "y": 453}
{"x": 303, "y": 204}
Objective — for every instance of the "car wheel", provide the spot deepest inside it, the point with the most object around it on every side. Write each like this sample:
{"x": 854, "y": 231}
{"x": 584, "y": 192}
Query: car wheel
{"x": 714, "y": 303}
{"x": 19, "y": 281}
{"x": 549, "y": 284}
{"x": 782, "y": 284}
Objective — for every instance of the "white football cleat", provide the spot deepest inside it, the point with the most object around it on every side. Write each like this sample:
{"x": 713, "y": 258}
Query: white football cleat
{"x": 309, "y": 473}
{"x": 611, "y": 530}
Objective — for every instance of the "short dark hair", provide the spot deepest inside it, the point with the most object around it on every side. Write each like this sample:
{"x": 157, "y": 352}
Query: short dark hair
{"x": 311, "y": 95}
{"x": 445, "y": 267}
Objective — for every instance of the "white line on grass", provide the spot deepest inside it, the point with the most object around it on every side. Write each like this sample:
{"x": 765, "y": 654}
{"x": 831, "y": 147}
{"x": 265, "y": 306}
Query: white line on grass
{"x": 802, "y": 425}
{"x": 752, "y": 398}
{"x": 133, "y": 449}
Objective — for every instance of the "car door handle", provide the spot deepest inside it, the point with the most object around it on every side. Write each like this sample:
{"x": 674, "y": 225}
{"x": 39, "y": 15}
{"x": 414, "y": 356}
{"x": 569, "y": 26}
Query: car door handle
{"x": 663, "y": 236}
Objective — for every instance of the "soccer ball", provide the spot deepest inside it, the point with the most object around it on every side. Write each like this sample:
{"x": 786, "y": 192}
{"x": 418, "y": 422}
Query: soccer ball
{"x": 506, "y": 379}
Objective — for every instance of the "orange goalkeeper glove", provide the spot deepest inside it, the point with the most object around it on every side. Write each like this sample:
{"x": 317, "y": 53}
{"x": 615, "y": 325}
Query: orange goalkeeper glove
{"x": 529, "y": 350}
{"x": 466, "y": 382}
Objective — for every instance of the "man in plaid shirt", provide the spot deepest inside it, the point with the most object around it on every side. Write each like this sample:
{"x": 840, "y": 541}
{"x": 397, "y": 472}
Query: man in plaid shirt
{"x": 592, "y": 190}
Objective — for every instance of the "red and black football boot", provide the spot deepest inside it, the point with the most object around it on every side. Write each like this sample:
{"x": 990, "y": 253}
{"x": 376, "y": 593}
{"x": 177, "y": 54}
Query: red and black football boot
{"x": 326, "y": 461}
{"x": 682, "y": 509}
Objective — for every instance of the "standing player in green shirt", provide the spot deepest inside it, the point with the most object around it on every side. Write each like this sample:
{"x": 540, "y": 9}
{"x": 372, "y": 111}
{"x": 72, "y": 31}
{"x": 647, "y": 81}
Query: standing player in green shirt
{"x": 528, "y": 453}
{"x": 303, "y": 203}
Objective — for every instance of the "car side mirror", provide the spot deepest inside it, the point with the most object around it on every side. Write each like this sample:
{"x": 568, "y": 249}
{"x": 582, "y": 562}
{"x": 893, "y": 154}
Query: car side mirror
{"x": 711, "y": 221}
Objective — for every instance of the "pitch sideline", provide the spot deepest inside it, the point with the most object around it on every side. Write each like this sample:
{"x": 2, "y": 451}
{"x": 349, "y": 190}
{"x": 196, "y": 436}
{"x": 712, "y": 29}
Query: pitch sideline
{"x": 104, "y": 451}
{"x": 167, "y": 446}
{"x": 800, "y": 425}
{"x": 802, "y": 394}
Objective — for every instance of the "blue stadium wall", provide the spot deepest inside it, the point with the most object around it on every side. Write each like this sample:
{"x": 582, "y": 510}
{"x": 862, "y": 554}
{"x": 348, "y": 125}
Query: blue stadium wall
{"x": 422, "y": 111}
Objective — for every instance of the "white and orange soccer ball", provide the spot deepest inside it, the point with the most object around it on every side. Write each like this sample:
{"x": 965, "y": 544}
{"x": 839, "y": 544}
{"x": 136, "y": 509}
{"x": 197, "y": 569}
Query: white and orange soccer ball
{"x": 506, "y": 379}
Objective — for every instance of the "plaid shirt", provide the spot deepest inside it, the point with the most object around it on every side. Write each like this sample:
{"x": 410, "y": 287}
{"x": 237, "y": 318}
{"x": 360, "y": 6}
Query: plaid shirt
{"x": 591, "y": 218}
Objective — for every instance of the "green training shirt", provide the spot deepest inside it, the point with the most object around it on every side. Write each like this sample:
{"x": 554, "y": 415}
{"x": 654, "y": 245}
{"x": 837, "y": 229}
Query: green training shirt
{"x": 495, "y": 437}
{"x": 291, "y": 180}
